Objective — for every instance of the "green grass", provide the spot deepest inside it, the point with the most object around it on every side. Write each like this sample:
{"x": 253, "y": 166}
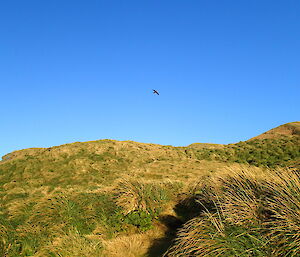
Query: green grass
{"x": 32, "y": 221}
{"x": 266, "y": 152}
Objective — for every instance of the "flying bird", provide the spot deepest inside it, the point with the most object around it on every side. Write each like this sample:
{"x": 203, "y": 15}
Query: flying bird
{"x": 155, "y": 92}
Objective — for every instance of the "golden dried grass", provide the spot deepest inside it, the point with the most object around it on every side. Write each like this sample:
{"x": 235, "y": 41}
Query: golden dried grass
{"x": 132, "y": 245}
{"x": 261, "y": 207}
{"x": 72, "y": 244}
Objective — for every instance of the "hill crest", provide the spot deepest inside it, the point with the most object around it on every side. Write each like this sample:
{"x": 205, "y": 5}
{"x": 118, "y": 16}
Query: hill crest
{"x": 291, "y": 129}
{"x": 288, "y": 129}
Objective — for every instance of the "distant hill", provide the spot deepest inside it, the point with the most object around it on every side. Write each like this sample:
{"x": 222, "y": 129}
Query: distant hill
{"x": 288, "y": 129}
{"x": 278, "y": 146}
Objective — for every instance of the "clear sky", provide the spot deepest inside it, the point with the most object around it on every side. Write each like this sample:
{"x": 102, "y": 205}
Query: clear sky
{"x": 84, "y": 70}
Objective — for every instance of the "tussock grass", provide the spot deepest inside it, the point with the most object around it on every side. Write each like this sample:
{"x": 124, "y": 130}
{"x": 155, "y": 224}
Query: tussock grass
{"x": 140, "y": 194}
{"x": 72, "y": 244}
{"x": 197, "y": 238}
{"x": 132, "y": 245}
{"x": 284, "y": 204}
{"x": 246, "y": 212}
{"x": 241, "y": 194}
{"x": 143, "y": 201}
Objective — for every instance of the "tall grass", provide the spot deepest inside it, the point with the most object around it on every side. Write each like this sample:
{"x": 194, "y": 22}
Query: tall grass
{"x": 142, "y": 201}
{"x": 72, "y": 244}
{"x": 257, "y": 213}
{"x": 134, "y": 195}
{"x": 284, "y": 203}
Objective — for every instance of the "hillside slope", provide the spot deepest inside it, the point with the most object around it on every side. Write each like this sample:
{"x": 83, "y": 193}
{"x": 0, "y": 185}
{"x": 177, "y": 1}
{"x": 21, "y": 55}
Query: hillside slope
{"x": 277, "y": 147}
{"x": 285, "y": 130}
{"x": 96, "y": 194}
{"x": 124, "y": 155}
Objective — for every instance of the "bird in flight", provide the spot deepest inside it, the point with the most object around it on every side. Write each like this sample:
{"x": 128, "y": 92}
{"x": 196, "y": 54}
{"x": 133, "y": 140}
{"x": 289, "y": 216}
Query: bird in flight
{"x": 155, "y": 92}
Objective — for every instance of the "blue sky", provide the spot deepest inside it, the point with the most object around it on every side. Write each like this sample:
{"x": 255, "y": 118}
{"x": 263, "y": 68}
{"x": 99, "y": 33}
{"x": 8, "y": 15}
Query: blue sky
{"x": 84, "y": 70}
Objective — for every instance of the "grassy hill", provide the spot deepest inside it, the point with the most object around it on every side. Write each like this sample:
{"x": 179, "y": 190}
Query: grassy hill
{"x": 285, "y": 130}
{"x": 112, "y": 198}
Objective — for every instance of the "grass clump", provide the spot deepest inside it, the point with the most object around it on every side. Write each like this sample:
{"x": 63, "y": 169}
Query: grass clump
{"x": 143, "y": 201}
{"x": 250, "y": 212}
{"x": 133, "y": 195}
{"x": 73, "y": 244}
{"x": 210, "y": 235}
{"x": 284, "y": 204}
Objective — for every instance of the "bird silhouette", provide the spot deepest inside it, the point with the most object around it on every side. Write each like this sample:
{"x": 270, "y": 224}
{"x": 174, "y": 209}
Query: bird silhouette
{"x": 155, "y": 92}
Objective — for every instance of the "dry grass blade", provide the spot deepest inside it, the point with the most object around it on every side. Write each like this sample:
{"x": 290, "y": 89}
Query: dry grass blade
{"x": 284, "y": 228}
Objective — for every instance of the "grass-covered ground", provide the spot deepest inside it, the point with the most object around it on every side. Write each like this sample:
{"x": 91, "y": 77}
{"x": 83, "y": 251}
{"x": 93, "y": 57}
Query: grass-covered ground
{"x": 110, "y": 198}
{"x": 266, "y": 152}
{"x": 243, "y": 212}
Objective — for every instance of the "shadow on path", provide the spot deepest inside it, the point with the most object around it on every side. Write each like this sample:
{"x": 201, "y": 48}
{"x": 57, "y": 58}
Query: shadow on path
{"x": 160, "y": 246}
{"x": 186, "y": 209}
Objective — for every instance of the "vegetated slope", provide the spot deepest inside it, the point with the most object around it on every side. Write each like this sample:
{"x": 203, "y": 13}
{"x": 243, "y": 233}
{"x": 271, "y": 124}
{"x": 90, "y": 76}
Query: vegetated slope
{"x": 277, "y": 147}
{"x": 86, "y": 193}
{"x": 70, "y": 199}
{"x": 289, "y": 129}
{"x": 96, "y": 163}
